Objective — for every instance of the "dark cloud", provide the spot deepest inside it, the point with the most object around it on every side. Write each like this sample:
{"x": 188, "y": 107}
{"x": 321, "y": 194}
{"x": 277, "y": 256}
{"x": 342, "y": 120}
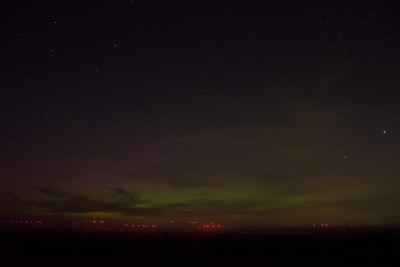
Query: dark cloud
{"x": 175, "y": 176}
{"x": 121, "y": 194}
{"x": 60, "y": 202}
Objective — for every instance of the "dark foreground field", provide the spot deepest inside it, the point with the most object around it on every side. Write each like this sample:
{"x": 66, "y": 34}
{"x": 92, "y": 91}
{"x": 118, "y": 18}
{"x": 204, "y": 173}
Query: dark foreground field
{"x": 74, "y": 248}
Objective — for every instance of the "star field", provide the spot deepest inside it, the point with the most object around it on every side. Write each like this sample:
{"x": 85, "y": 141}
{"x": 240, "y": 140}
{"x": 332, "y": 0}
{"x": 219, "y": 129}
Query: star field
{"x": 275, "y": 113}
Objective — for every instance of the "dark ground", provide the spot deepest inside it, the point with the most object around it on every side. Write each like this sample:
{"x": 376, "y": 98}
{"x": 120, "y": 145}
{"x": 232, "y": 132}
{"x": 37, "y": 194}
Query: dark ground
{"x": 75, "y": 248}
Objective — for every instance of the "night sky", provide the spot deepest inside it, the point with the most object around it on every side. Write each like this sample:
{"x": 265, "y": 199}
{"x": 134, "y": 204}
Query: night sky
{"x": 258, "y": 113}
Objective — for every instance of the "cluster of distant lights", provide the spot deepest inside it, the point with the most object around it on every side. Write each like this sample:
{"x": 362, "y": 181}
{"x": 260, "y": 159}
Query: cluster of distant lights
{"x": 208, "y": 226}
{"x": 211, "y": 226}
{"x": 325, "y": 225}
{"x": 140, "y": 226}
{"x": 21, "y": 222}
{"x": 193, "y": 224}
{"x": 98, "y": 222}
